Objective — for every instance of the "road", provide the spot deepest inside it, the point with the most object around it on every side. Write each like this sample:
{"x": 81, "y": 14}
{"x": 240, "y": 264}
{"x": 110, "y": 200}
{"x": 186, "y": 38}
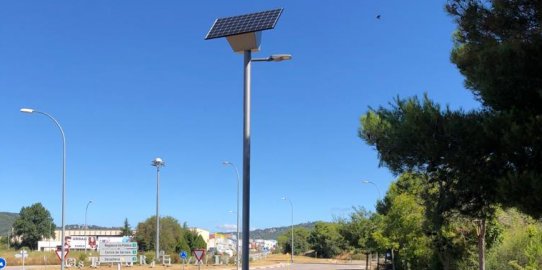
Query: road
{"x": 280, "y": 266}
{"x": 312, "y": 266}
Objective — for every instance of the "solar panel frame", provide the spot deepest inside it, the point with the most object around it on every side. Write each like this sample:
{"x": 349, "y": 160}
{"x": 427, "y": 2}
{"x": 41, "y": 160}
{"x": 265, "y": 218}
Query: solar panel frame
{"x": 242, "y": 24}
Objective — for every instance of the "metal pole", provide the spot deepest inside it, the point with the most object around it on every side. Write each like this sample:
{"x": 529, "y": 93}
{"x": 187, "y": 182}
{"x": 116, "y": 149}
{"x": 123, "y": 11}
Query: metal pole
{"x": 237, "y": 226}
{"x": 246, "y": 161}
{"x": 157, "y": 214}
{"x": 63, "y": 249}
{"x": 86, "y": 227}
{"x": 292, "y": 247}
{"x": 292, "y": 243}
{"x": 237, "y": 245}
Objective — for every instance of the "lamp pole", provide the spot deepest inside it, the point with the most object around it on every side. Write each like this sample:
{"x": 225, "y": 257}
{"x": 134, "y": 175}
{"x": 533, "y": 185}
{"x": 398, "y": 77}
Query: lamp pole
{"x": 63, "y": 249}
{"x": 246, "y": 148}
{"x": 226, "y": 163}
{"x": 371, "y": 182}
{"x": 292, "y": 247}
{"x": 158, "y": 163}
{"x": 86, "y": 227}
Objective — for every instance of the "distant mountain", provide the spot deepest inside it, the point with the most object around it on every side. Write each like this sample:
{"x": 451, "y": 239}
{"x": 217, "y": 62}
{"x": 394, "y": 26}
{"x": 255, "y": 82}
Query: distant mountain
{"x": 6, "y": 221}
{"x": 274, "y": 233}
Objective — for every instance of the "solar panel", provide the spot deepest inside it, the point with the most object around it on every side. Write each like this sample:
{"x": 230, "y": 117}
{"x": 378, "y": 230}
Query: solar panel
{"x": 242, "y": 24}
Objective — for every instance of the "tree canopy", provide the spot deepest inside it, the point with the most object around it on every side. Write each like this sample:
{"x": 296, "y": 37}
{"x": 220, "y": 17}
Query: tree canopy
{"x": 173, "y": 237}
{"x": 33, "y": 224}
{"x": 498, "y": 48}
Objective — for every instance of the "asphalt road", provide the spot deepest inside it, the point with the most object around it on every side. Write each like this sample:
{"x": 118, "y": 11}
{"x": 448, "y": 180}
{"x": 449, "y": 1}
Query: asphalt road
{"x": 314, "y": 266}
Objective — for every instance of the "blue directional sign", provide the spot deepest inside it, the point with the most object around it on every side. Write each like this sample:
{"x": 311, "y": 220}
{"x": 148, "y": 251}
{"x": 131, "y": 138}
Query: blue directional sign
{"x": 183, "y": 254}
{"x": 3, "y": 263}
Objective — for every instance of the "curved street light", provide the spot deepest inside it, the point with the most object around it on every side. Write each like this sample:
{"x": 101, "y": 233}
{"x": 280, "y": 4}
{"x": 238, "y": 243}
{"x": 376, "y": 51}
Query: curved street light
{"x": 292, "y": 247}
{"x": 371, "y": 182}
{"x": 86, "y": 227}
{"x": 158, "y": 163}
{"x": 63, "y": 249}
{"x": 227, "y": 163}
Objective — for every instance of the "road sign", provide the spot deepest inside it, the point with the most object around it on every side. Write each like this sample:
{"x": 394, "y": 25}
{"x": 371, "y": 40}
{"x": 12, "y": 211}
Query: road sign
{"x": 198, "y": 253}
{"x": 118, "y": 252}
{"x": 59, "y": 253}
{"x": 183, "y": 254}
{"x": 3, "y": 263}
{"x": 123, "y": 245}
{"x": 117, "y": 259}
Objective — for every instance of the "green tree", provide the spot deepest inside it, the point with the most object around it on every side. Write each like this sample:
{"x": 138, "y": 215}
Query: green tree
{"x": 454, "y": 151}
{"x": 33, "y": 224}
{"x": 521, "y": 247}
{"x": 498, "y": 48}
{"x": 170, "y": 234}
{"x": 197, "y": 241}
{"x": 357, "y": 231}
{"x": 126, "y": 229}
{"x": 403, "y": 232}
{"x": 301, "y": 244}
{"x": 326, "y": 240}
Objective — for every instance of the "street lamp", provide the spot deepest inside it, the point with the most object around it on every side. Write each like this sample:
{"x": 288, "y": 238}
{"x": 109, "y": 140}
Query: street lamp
{"x": 27, "y": 110}
{"x": 158, "y": 163}
{"x": 244, "y": 35}
{"x": 226, "y": 163}
{"x": 292, "y": 247}
{"x": 371, "y": 182}
{"x": 86, "y": 227}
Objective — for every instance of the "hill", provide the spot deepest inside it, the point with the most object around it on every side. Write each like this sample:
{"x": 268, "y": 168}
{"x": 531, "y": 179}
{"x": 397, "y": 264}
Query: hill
{"x": 274, "y": 233}
{"x": 6, "y": 221}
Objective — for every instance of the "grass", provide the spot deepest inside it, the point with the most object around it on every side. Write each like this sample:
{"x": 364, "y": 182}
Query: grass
{"x": 48, "y": 259}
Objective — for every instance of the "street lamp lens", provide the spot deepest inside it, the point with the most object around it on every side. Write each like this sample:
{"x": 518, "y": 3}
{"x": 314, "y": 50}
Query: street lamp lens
{"x": 280, "y": 57}
{"x": 26, "y": 110}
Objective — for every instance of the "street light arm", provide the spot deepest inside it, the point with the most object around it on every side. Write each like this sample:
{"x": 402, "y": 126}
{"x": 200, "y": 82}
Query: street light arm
{"x": 377, "y": 188}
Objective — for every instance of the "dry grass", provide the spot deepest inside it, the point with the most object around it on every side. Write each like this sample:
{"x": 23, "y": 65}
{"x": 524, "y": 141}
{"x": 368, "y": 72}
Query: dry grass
{"x": 49, "y": 260}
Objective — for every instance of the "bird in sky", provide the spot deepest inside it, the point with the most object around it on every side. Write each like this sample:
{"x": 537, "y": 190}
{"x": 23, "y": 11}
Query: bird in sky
{"x": 378, "y": 16}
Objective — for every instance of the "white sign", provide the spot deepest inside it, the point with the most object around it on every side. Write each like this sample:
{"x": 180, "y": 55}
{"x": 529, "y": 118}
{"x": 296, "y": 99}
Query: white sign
{"x": 79, "y": 242}
{"x": 22, "y": 254}
{"x": 117, "y": 245}
{"x": 118, "y": 252}
{"x": 117, "y": 259}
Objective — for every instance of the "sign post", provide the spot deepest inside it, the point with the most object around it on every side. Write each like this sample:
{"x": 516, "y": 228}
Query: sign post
{"x": 125, "y": 252}
{"x": 22, "y": 254}
{"x": 183, "y": 256}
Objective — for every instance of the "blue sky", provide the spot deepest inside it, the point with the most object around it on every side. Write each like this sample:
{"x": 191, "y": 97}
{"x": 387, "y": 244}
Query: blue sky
{"x": 133, "y": 80}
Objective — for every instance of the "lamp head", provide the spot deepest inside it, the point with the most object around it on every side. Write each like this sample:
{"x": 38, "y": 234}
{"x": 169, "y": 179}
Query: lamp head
{"x": 226, "y": 163}
{"x": 27, "y": 110}
{"x": 280, "y": 57}
{"x": 158, "y": 162}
